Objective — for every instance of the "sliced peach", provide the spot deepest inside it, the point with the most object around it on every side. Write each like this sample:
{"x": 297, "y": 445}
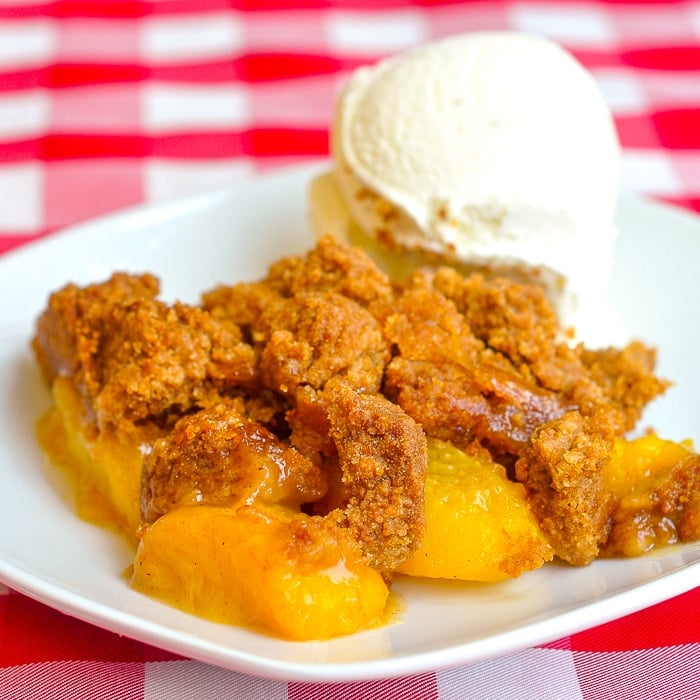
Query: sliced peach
{"x": 294, "y": 575}
{"x": 479, "y": 526}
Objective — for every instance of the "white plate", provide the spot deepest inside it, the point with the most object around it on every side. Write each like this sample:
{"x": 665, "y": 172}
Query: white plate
{"x": 51, "y": 555}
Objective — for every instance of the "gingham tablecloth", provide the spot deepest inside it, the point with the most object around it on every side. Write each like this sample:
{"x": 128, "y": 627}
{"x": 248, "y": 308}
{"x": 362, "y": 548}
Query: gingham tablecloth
{"x": 109, "y": 104}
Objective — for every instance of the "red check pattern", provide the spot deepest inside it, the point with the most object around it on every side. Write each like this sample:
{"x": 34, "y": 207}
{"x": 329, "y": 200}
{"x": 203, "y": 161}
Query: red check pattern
{"x": 110, "y": 104}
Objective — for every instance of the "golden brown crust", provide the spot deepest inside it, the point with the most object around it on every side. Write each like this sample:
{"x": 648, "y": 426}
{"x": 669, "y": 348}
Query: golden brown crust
{"x": 514, "y": 319}
{"x": 383, "y": 457}
{"x": 453, "y": 385}
{"x": 331, "y": 267}
{"x": 218, "y": 457}
{"x": 68, "y": 330}
{"x": 137, "y": 358}
{"x": 626, "y": 377}
{"x": 155, "y": 359}
{"x": 517, "y": 323}
{"x": 346, "y": 373}
{"x": 313, "y": 337}
{"x": 562, "y": 470}
{"x": 242, "y": 304}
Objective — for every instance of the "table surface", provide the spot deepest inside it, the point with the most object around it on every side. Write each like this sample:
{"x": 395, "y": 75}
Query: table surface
{"x": 105, "y": 105}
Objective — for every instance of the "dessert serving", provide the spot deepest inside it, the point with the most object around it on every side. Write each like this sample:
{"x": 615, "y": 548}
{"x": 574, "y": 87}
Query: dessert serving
{"x": 282, "y": 450}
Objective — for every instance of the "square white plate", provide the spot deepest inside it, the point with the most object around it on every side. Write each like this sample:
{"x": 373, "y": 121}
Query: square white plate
{"x": 51, "y": 555}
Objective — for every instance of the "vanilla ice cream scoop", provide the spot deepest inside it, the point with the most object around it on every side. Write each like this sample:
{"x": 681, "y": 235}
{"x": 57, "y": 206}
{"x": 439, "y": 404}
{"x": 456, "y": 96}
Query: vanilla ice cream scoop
{"x": 494, "y": 148}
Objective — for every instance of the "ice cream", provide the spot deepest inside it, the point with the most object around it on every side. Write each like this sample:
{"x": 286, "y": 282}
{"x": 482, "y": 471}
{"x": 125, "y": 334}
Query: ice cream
{"x": 495, "y": 149}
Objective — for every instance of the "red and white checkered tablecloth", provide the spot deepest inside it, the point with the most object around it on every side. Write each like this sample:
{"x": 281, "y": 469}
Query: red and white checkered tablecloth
{"x": 109, "y": 104}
